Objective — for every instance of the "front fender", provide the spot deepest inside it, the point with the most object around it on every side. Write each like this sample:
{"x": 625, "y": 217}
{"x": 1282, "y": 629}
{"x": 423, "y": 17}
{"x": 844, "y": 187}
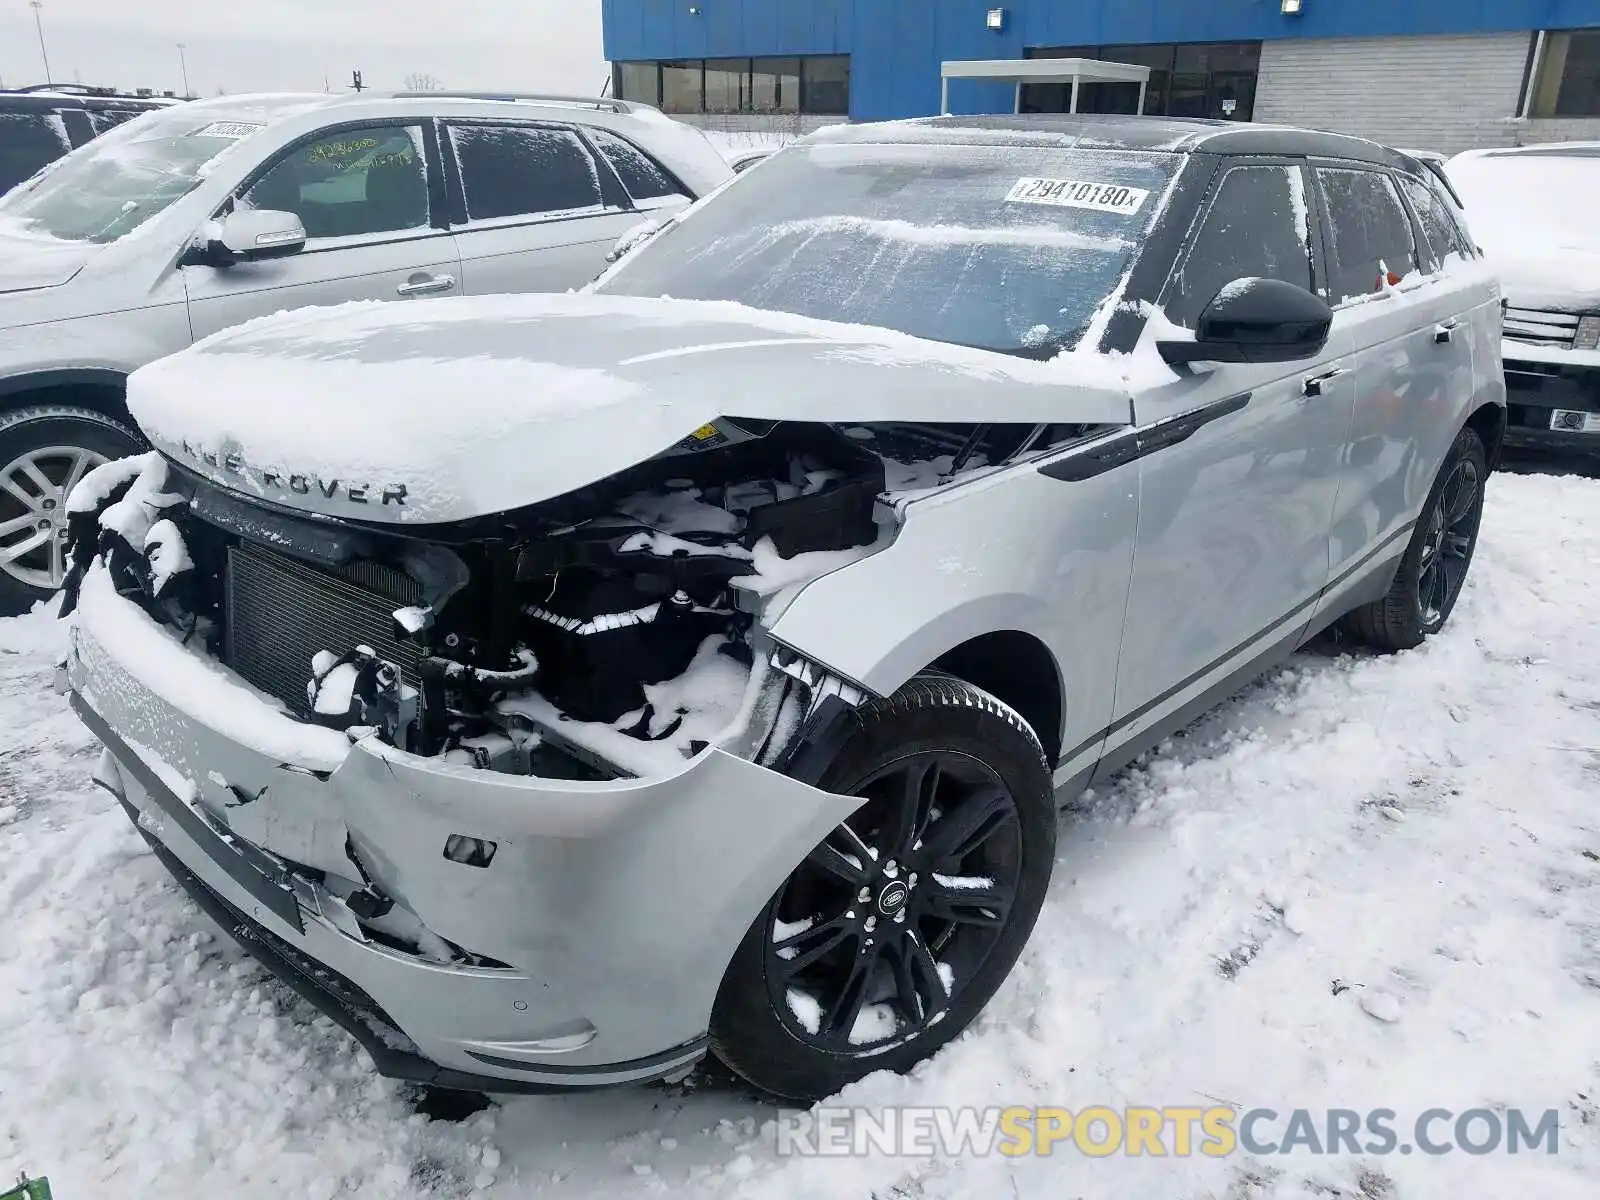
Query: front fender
{"x": 1017, "y": 551}
{"x": 99, "y": 348}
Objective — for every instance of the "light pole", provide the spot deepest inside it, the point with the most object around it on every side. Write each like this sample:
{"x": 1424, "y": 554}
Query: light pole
{"x": 183, "y": 64}
{"x": 38, "y": 23}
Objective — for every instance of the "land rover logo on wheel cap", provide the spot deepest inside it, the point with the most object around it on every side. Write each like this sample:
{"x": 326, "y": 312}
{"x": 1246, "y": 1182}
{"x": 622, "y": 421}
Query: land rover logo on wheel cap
{"x": 893, "y": 898}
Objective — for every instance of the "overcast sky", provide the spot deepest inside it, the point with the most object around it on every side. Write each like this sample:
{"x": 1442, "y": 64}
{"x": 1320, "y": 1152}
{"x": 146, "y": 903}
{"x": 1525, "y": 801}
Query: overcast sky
{"x": 294, "y": 45}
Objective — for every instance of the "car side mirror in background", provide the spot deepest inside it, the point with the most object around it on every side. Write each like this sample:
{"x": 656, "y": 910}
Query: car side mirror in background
{"x": 251, "y": 235}
{"x": 1256, "y": 321}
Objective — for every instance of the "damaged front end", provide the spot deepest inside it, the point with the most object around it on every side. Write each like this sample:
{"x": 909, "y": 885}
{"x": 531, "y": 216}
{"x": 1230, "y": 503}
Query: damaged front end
{"x": 611, "y": 632}
{"x": 503, "y": 776}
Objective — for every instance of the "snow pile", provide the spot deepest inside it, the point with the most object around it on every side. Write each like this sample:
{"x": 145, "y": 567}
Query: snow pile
{"x": 133, "y": 516}
{"x": 96, "y": 486}
{"x": 773, "y": 572}
{"x": 168, "y": 555}
{"x": 1367, "y": 882}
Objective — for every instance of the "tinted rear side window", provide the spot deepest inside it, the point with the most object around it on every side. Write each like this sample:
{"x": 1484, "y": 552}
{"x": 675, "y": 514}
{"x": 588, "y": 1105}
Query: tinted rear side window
{"x": 643, "y": 176}
{"x": 28, "y": 141}
{"x": 1439, "y": 227}
{"x": 1257, "y": 227}
{"x": 102, "y": 119}
{"x": 514, "y": 171}
{"x": 1369, "y": 230}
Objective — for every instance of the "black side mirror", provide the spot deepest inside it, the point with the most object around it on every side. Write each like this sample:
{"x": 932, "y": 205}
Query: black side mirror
{"x": 1256, "y": 321}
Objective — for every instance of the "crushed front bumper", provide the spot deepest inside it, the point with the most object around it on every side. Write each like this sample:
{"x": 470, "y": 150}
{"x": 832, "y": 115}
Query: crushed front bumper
{"x": 610, "y": 908}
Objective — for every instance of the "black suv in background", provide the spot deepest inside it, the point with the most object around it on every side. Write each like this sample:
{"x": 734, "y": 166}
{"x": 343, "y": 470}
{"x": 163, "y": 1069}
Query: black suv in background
{"x": 39, "y": 124}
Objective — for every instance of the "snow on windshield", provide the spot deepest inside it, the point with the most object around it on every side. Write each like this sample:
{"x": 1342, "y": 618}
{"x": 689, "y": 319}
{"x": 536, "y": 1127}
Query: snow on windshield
{"x": 1531, "y": 213}
{"x": 1004, "y": 248}
{"x": 108, "y": 188}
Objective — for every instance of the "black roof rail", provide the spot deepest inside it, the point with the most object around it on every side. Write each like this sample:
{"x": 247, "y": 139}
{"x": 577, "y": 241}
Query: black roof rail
{"x": 88, "y": 91}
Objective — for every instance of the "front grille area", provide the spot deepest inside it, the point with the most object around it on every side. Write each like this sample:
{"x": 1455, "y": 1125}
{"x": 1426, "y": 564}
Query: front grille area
{"x": 281, "y": 612}
{"x": 1540, "y": 328}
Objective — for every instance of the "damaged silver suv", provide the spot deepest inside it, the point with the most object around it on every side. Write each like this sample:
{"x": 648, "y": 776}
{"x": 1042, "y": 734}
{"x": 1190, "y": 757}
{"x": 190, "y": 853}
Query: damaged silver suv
{"x": 555, "y": 688}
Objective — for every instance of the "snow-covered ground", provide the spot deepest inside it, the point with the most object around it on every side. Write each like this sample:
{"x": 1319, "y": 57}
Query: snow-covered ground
{"x": 1424, "y": 829}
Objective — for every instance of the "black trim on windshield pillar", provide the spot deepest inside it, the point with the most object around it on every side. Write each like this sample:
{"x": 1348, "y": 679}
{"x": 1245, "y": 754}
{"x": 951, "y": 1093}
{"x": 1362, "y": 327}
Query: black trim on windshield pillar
{"x": 1162, "y": 248}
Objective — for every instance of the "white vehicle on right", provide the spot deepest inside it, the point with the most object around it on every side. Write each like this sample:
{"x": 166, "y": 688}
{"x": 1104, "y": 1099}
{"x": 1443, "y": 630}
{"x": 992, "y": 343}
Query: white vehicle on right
{"x": 1531, "y": 210}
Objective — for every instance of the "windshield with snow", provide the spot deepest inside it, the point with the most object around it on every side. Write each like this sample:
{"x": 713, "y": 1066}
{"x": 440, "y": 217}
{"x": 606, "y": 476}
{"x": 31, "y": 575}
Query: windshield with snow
{"x": 114, "y": 184}
{"x": 1006, "y": 248}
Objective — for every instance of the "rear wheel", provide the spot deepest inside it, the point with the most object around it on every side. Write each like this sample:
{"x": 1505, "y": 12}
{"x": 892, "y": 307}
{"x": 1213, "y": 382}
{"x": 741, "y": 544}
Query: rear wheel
{"x": 897, "y": 929}
{"x": 1431, "y": 574}
{"x": 44, "y": 451}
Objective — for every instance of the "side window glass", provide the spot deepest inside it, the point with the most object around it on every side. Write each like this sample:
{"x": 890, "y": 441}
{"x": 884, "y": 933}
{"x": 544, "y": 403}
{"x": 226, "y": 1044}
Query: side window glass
{"x": 517, "y": 171}
{"x": 351, "y": 184}
{"x": 102, "y": 119}
{"x": 1370, "y": 233}
{"x": 29, "y": 141}
{"x": 1258, "y": 226}
{"x": 1438, "y": 226}
{"x": 643, "y": 176}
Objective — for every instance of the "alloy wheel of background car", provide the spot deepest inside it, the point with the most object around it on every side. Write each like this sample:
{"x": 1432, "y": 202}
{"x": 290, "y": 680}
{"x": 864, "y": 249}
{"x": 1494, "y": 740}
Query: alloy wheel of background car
{"x": 1431, "y": 573}
{"x": 894, "y": 912}
{"x": 45, "y": 452}
{"x": 33, "y": 511}
{"x": 895, "y": 931}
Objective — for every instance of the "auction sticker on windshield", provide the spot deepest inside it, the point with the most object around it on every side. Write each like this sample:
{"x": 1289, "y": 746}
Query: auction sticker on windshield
{"x": 1076, "y": 193}
{"x": 228, "y": 129}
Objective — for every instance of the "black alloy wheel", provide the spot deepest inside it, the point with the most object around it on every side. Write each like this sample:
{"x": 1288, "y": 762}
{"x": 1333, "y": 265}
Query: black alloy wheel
{"x": 889, "y": 937}
{"x": 888, "y": 918}
{"x": 1428, "y": 579}
{"x": 1452, "y": 531}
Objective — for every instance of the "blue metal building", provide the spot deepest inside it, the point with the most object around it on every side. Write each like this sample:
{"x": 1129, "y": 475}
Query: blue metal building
{"x": 1488, "y": 64}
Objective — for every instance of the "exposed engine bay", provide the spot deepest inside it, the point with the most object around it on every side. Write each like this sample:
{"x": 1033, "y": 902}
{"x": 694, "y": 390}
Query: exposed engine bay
{"x": 599, "y": 634}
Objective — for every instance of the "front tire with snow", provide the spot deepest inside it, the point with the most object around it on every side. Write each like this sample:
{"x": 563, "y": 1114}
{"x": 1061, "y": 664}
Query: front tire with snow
{"x": 892, "y": 935}
{"x": 1428, "y": 582}
{"x": 44, "y": 451}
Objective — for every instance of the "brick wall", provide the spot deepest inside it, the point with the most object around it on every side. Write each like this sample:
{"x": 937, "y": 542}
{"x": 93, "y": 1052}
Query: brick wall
{"x": 1424, "y": 93}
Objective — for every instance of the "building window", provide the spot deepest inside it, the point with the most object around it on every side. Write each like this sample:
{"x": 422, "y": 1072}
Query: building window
{"x": 819, "y": 85}
{"x": 825, "y": 86}
{"x": 775, "y": 85}
{"x": 1194, "y": 79}
{"x": 727, "y": 85}
{"x": 638, "y": 81}
{"x": 1567, "y": 77}
{"x": 683, "y": 86}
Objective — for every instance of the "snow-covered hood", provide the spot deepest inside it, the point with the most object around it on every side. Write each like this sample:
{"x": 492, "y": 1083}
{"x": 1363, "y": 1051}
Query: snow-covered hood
{"x": 447, "y": 409}
{"x": 1530, "y": 212}
{"x": 27, "y": 263}
{"x": 1549, "y": 278}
